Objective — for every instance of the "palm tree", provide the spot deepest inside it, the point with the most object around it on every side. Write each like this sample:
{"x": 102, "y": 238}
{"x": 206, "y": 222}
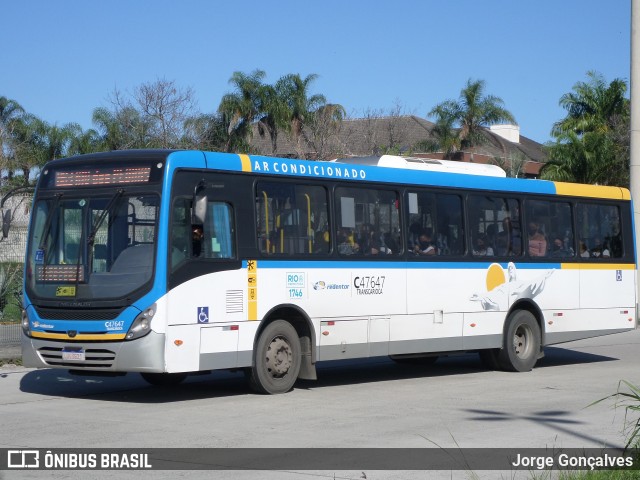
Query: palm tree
{"x": 125, "y": 127}
{"x": 294, "y": 91}
{"x": 471, "y": 113}
{"x": 244, "y": 106}
{"x": 27, "y": 139}
{"x": 208, "y": 132}
{"x": 592, "y": 106}
{"x": 10, "y": 113}
{"x": 444, "y": 137}
{"x": 88, "y": 141}
{"x": 592, "y": 141}
{"x": 37, "y": 142}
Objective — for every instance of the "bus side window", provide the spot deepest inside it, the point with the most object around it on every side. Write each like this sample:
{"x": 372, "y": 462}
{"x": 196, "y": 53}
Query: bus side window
{"x": 439, "y": 216}
{"x": 550, "y": 229}
{"x": 292, "y": 219}
{"x": 495, "y": 226}
{"x": 218, "y": 239}
{"x": 368, "y": 222}
{"x": 599, "y": 231}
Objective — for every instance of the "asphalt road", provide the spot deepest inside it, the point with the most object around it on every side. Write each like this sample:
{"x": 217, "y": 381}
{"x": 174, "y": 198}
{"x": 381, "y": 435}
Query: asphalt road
{"x": 455, "y": 403}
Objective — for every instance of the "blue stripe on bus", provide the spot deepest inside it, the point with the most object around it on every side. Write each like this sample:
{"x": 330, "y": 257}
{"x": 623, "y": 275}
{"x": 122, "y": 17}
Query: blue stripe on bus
{"x": 345, "y": 171}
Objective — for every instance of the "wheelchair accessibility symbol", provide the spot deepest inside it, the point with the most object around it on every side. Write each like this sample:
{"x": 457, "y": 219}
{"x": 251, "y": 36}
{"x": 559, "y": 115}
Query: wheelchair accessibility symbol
{"x": 203, "y": 314}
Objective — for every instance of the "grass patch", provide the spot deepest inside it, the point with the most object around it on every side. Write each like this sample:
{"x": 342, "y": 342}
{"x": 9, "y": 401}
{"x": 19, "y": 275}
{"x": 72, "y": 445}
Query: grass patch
{"x": 11, "y": 314}
{"x": 11, "y": 361}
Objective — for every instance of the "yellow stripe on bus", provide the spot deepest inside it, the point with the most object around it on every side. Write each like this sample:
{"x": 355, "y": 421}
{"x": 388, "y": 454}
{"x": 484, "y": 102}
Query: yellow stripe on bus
{"x": 593, "y": 191}
{"x": 246, "y": 162}
{"x": 252, "y": 289}
{"x": 64, "y": 336}
{"x": 598, "y": 266}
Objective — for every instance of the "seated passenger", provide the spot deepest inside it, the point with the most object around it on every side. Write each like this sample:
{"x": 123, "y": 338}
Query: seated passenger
{"x": 558, "y": 249}
{"x": 537, "y": 242}
{"x": 425, "y": 245}
{"x": 482, "y": 249}
{"x": 584, "y": 251}
{"x": 347, "y": 244}
{"x": 377, "y": 248}
{"x": 600, "y": 250}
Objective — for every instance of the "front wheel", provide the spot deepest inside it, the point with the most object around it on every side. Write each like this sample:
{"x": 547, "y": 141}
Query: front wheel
{"x": 276, "y": 359}
{"x": 521, "y": 342}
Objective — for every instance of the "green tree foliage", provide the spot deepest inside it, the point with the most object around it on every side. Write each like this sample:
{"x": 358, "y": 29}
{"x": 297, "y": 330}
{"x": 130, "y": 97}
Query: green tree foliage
{"x": 285, "y": 106}
{"x": 470, "y": 114}
{"x": 298, "y": 105}
{"x": 34, "y": 142}
{"x": 243, "y": 107}
{"x": 592, "y": 141}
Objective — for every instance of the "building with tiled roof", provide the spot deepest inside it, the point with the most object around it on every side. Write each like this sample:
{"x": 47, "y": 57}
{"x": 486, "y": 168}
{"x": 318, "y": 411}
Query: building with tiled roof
{"x": 404, "y": 135}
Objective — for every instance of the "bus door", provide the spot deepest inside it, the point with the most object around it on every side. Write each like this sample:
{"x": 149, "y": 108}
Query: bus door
{"x": 208, "y": 287}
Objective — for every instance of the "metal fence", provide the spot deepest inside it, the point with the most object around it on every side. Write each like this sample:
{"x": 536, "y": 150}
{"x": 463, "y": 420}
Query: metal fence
{"x": 10, "y": 335}
{"x": 15, "y": 208}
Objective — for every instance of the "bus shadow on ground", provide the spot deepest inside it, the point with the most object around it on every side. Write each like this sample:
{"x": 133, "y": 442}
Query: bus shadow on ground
{"x": 376, "y": 370}
{"x": 132, "y": 388}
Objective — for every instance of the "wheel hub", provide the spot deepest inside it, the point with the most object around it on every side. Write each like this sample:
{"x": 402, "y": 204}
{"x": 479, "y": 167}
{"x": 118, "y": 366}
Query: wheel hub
{"x": 279, "y": 357}
{"x": 521, "y": 342}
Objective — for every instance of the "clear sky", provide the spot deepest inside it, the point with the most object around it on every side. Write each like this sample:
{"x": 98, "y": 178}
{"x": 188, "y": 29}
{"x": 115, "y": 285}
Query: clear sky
{"x": 60, "y": 59}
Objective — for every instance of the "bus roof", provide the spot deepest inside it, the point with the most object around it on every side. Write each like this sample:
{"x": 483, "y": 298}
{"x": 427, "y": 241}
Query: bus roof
{"x": 437, "y": 173}
{"x": 427, "y": 164}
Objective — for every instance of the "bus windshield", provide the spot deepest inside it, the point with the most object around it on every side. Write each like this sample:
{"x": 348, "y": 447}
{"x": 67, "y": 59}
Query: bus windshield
{"x": 91, "y": 247}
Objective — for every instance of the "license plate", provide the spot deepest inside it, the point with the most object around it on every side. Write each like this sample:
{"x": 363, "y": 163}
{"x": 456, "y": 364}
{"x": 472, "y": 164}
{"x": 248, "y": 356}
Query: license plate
{"x": 73, "y": 354}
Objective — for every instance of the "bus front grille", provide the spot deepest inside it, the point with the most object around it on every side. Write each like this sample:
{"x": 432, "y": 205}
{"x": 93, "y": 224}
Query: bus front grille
{"x": 78, "y": 314}
{"x": 94, "y": 358}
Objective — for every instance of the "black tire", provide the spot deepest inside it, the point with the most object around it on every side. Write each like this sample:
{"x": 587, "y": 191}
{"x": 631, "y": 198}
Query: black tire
{"x": 423, "y": 361}
{"x": 490, "y": 358}
{"x": 521, "y": 342}
{"x": 164, "y": 379}
{"x": 276, "y": 359}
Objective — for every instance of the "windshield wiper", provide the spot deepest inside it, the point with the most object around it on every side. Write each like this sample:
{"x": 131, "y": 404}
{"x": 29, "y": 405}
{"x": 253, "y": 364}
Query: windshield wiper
{"x": 47, "y": 223}
{"x": 96, "y": 225}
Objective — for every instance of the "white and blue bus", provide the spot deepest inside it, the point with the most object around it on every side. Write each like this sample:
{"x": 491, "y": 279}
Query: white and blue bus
{"x": 170, "y": 263}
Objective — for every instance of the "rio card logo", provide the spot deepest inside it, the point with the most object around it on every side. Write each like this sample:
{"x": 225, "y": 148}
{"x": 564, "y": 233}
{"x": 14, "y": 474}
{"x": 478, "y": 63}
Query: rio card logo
{"x": 296, "y": 285}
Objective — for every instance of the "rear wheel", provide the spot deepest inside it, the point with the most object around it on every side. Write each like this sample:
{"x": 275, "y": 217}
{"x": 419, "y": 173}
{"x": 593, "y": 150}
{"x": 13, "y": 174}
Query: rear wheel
{"x": 521, "y": 342}
{"x": 164, "y": 379}
{"x": 276, "y": 359}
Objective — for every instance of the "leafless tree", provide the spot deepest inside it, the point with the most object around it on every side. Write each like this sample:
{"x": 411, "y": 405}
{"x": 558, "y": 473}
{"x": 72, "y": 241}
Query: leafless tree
{"x": 321, "y": 130}
{"x": 152, "y": 116}
{"x": 166, "y": 107}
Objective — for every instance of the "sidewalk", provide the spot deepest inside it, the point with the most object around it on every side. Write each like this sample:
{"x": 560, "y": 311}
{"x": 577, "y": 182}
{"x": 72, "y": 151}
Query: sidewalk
{"x": 11, "y": 352}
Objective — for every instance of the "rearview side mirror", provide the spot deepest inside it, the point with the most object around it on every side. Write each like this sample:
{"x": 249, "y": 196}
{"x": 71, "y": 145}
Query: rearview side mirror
{"x": 6, "y": 222}
{"x": 199, "y": 205}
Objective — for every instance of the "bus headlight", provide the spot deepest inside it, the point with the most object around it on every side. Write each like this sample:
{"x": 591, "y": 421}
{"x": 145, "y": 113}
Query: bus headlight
{"x": 26, "y": 327}
{"x": 142, "y": 324}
